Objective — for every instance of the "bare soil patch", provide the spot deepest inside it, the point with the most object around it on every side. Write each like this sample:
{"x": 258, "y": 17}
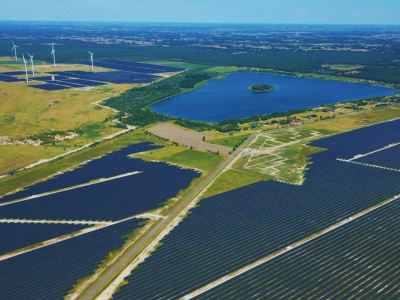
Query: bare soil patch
{"x": 187, "y": 138}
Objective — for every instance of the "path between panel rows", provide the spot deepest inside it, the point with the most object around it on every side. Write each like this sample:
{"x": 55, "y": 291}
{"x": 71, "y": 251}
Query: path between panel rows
{"x": 372, "y": 152}
{"x": 74, "y": 222}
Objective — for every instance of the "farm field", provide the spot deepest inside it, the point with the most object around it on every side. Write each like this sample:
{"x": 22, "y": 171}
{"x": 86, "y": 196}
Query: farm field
{"x": 231, "y": 230}
{"x": 52, "y": 271}
{"x": 357, "y": 260}
{"x": 187, "y": 137}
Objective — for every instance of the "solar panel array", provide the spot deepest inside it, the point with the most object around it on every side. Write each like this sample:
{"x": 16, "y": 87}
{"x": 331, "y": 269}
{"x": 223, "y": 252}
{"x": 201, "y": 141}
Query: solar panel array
{"x": 131, "y": 66}
{"x": 232, "y": 230}
{"x": 7, "y": 78}
{"x": 359, "y": 260}
{"x": 14, "y": 236}
{"x": 123, "y": 72}
{"x": 50, "y": 272}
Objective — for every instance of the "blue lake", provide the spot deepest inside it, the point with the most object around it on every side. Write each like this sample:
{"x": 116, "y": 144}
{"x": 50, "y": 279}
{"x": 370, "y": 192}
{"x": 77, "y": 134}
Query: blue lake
{"x": 229, "y": 98}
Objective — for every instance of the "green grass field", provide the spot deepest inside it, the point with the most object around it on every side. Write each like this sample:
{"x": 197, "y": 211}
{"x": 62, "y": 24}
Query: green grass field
{"x": 344, "y": 67}
{"x": 203, "y": 161}
{"x": 233, "y": 179}
{"x": 231, "y": 141}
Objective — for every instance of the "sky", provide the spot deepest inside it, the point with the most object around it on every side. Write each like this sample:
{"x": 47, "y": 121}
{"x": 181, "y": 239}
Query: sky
{"x": 206, "y": 11}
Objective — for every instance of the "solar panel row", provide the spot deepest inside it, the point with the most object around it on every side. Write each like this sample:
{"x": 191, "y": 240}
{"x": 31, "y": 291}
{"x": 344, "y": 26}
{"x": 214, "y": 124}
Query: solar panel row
{"x": 49, "y": 87}
{"x": 113, "y": 77}
{"x": 131, "y": 66}
{"x": 6, "y": 78}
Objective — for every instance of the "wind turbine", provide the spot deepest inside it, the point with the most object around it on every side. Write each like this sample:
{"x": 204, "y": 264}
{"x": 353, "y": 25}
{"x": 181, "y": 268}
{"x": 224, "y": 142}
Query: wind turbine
{"x": 26, "y": 70}
{"x": 91, "y": 59}
{"x": 14, "y": 48}
{"x": 33, "y": 69}
{"x": 53, "y": 52}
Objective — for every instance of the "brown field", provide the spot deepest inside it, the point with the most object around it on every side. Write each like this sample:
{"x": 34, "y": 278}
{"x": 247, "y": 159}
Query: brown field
{"x": 187, "y": 138}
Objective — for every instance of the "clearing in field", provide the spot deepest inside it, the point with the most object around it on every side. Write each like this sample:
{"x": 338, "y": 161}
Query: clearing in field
{"x": 281, "y": 154}
{"x": 187, "y": 138}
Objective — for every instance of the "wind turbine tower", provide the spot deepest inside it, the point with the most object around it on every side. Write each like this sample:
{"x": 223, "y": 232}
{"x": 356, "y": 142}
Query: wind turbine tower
{"x": 26, "y": 69}
{"x": 91, "y": 59}
{"x": 15, "y": 50}
{"x": 33, "y": 69}
{"x": 53, "y": 52}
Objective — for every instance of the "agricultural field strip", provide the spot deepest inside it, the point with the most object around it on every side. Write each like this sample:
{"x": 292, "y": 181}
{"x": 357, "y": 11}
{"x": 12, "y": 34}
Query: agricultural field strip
{"x": 98, "y": 226}
{"x": 100, "y": 180}
{"x": 187, "y": 137}
{"x": 282, "y": 251}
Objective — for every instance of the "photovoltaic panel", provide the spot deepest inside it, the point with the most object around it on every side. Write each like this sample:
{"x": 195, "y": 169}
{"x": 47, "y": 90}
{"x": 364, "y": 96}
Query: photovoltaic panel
{"x": 131, "y": 66}
{"x": 49, "y": 87}
{"x": 14, "y": 73}
{"x": 84, "y": 82}
{"x": 9, "y": 78}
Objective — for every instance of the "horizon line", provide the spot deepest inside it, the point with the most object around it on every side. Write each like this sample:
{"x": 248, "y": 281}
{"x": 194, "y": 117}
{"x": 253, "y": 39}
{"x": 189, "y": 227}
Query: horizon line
{"x": 200, "y": 23}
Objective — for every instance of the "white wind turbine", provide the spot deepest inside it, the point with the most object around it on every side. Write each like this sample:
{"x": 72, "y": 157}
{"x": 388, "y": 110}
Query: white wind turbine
{"x": 91, "y": 59}
{"x": 14, "y": 48}
{"x": 33, "y": 69}
{"x": 53, "y": 52}
{"x": 26, "y": 69}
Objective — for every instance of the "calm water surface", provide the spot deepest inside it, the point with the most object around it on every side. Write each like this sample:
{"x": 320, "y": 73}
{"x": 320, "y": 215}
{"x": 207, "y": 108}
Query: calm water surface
{"x": 229, "y": 98}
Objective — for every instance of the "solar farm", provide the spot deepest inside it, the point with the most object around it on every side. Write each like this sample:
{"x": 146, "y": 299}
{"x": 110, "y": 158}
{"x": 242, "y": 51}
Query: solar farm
{"x": 229, "y": 232}
{"x": 112, "y": 71}
{"x": 81, "y": 215}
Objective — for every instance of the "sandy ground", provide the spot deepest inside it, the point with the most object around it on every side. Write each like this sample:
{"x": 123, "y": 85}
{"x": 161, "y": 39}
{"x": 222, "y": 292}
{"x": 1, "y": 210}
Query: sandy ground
{"x": 187, "y": 138}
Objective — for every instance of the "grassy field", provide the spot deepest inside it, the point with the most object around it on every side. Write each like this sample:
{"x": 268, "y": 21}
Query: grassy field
{"x": 357, "y": 120}
{"x": 29, "y": 111}
{"x": 344, "y": 67}
{"x": 223, "y": 69}
{"x": 33, "y": 113}
{"x": 231, "y": 141}
{"x": 233, "y": 179}
{"x": 203, "y": 161}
